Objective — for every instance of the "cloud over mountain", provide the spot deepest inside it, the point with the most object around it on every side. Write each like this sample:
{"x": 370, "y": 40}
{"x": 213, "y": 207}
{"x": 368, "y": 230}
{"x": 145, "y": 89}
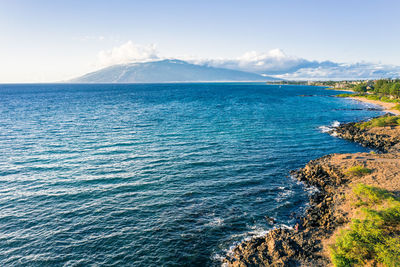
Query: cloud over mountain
{"x": 127, "y": 53}
{"x": 272, "y": 63}
{"x": 344, "y": 71}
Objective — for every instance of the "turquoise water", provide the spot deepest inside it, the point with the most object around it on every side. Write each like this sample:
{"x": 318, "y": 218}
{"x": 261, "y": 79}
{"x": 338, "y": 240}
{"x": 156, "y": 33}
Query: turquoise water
{"x": 154, "y": 174}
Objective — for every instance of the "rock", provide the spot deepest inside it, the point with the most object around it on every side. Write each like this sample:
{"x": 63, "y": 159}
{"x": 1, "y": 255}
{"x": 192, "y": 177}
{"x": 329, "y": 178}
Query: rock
{"x": 367, "y": 138}
{"x": 288, "y": 247}
{"x": 302, "y": 246}
{"x": 270, "y": 220}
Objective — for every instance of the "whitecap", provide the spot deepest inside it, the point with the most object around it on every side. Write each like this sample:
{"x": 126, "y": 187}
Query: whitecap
{"x": 326, "y": 129}
{"x": 216, "y": 222}
{"x": 256, "y": 232}
{"x": 285, "y": 195}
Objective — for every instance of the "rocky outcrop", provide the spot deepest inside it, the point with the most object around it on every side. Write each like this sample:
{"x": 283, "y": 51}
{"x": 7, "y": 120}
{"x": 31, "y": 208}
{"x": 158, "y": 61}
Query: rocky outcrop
{"x": 299, "y": 246}
{"x": 368, "y": 137}
{"x": 302, "y": 246}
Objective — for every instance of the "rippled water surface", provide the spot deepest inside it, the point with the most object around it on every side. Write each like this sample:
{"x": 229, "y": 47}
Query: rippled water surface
{"x": 155, "y": 174}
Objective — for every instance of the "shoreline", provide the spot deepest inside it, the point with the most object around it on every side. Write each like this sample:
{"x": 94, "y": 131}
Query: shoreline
{"x": 386, "y": 107}
{"x": 337, "y": 89}
{"x": 308, "y": 243}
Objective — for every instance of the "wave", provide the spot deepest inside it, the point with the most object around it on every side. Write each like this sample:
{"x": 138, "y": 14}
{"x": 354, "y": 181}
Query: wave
{"x": 215, "y": 222}
{"x": 326, "y": 129}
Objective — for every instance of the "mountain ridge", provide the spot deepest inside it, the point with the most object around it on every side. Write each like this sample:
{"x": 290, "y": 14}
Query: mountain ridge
{"x": 167, "y": 70}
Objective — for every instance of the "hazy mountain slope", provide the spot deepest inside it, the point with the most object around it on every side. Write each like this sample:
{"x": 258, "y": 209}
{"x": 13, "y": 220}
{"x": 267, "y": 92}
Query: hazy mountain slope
{"x": 166, "y": 71}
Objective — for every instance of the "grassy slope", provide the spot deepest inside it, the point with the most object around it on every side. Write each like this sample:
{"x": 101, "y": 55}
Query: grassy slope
{"x": 373, "y": 235}
{"x": 380, "y": 122}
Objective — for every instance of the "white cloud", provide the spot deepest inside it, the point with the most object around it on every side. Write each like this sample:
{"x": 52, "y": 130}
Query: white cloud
{"x": 272, "y": 60}
{"x": 272, "y": 63}
{"x": 278, "y": 64}
{"x": 344, "y": 71}
{"x": 127, "y": 53}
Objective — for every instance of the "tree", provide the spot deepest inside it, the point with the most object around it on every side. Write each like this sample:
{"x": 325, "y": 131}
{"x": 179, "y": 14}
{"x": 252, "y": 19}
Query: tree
{"x": 379, "y": 85}
{"x": 361, "y": 88}
{"x": 395, "y": 89}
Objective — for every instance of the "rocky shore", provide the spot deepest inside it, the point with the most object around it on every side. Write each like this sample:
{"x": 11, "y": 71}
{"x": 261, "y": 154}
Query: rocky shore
{"x": 384, "y": 139}
{"x": 301, "y": 246}
{"x": 305, "y": 244}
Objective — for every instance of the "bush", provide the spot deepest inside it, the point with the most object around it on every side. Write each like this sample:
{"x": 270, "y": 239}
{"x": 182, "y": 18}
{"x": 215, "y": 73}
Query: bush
{"x": 357, "y": 171}
{"x": 366, "y": 194}
{"x": 389, "y": 100}
{"x": 345, "y": 95}
{"x": 376, "y": 236}
{"x": 397, "y": 107}
{"x": 373, "y": 97}
{"x": 380, "y": 122}
{"x": 362, "y": 87}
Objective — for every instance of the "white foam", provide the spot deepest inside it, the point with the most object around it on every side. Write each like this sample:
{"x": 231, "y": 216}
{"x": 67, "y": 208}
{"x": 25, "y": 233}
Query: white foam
{"x": 284, "y": 195}
{"x": 216, "y": 222}
{"x": 285, "y": 226}
{"x": 325, "y": 129}
{"x": 335, "y": 124}
{"x": 255, "y": 232}
{"x": 311, "y": 190}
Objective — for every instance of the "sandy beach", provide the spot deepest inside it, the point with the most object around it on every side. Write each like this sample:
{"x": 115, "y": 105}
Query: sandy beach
{"x": 387, "y": 107}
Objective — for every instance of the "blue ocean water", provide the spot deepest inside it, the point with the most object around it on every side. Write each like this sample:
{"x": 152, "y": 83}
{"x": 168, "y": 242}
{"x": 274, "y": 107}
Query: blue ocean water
{"x": 154, "y": 174}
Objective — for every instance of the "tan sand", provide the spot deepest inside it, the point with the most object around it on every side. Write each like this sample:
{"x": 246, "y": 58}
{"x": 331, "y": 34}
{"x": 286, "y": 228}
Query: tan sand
{"x": 387, "y": 107}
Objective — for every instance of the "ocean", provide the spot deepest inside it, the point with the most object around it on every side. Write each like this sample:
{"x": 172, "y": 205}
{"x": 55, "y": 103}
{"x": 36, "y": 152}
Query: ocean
{"x": 155, "y": 174}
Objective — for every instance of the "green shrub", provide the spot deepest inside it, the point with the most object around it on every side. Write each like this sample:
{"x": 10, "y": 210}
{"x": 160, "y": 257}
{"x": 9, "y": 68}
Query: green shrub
{"x": 385, "y": 99}
{"x": 371, "y": 195}
{"x": 397, "y": 107}
{"x": 380, "y": 122}
{"x": 371, "y": 97}
{"x": 345, "y": 95}
{"x": 375, "y": 237}
{"x": 389, "y": 100}
{"x": 357, "y": 171}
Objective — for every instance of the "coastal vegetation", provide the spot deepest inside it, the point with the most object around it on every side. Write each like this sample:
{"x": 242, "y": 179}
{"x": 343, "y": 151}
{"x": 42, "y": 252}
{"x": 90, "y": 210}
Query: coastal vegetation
{"x": 387, "y": 87}
{"x": 358, "y": 170}
{"x": 386, "y": 90}
{"x": 379, "y": 122}
{"x": 397, "y": 107}
{"x": 371, "y": 97}
{"x": 373, "y": 236}
{"x": 286, "y": 82}
{"x": 346, "y": 95}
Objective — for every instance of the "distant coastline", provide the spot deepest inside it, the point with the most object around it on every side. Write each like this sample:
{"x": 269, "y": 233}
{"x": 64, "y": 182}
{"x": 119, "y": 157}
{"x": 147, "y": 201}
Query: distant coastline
{"x": 386, "y": 106}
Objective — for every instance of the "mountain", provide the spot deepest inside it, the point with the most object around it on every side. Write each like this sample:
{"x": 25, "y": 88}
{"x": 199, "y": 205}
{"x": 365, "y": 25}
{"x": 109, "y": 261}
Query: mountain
{"x": 166, "y": 71}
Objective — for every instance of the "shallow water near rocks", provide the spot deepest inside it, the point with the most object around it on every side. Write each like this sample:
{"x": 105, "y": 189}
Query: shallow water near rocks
{"x": 155, "y": 174}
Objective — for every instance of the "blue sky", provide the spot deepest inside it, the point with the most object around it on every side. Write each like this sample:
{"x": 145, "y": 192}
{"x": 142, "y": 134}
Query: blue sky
{"x": 56, "y": 40}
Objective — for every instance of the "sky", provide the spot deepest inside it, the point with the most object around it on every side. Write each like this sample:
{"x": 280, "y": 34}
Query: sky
{"x": 48, "y": 41}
